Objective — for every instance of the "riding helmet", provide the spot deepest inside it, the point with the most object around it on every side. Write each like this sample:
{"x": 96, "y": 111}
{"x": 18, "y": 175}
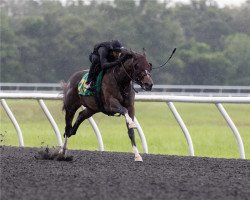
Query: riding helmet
{"x": 116, "y": 45}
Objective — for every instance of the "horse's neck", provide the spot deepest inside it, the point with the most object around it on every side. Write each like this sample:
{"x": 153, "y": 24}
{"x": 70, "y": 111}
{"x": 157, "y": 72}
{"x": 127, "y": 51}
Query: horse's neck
{"x": 124, "y": 75}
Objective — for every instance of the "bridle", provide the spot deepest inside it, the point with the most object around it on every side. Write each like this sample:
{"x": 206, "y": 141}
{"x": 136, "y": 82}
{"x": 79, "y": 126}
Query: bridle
{"x": 135, "y": 78}
{"x": 141, "y": 76}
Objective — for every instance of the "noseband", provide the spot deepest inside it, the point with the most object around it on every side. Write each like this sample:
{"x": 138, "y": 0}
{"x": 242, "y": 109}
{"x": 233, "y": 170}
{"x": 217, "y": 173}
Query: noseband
{"x": 142, "y": 75}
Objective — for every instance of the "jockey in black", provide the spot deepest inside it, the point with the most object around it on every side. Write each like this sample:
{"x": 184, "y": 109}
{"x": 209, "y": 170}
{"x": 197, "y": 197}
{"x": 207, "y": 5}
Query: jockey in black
{"x": 104, "y": 56}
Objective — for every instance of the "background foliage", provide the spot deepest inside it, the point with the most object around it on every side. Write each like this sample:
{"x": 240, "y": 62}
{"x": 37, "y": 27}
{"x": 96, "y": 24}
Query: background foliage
{"x": 46, "y": 41}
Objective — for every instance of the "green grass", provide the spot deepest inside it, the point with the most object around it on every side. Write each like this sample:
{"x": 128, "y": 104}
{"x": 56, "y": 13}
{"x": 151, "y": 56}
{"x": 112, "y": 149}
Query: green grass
{"x": 209, "y": 132}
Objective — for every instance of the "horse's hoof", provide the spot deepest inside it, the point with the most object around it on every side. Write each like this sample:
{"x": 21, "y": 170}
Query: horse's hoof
{"x": 62, "y": 152}
{"x": 132, "y": 125}
{"x": 138, "y": 158}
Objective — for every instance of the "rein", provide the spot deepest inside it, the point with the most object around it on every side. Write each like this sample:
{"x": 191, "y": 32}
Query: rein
{"x": 133, "y": 80}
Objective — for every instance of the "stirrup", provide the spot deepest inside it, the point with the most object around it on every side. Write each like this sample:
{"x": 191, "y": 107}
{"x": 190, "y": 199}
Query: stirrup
{"x": 87, "y": 86}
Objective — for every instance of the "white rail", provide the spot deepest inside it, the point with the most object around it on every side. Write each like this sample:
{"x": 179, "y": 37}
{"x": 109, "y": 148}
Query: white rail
{"x": 183, "y": 127}
{"x": 202, "y": 90}
{"x": 51, "y": 120}
{"x": 234, "y": 129}
{"x": 14, "y": 121}
{"x": 146, "y": 98}
{"x": 40, "y": 97}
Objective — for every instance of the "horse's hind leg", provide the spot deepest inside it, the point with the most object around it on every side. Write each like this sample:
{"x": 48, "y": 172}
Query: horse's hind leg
{"x": 69, "y": 115}
{"x": 85, "y": 114}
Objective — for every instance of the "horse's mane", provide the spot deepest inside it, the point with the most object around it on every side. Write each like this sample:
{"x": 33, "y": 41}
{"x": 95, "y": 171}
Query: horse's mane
{"x": 130, "y": 52}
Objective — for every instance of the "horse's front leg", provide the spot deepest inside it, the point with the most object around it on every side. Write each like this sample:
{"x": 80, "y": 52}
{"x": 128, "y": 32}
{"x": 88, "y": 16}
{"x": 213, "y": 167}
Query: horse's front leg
{"x": 130, "y": 121}
{"x": 132, "y": 136}
{"x": 114, "y": 106}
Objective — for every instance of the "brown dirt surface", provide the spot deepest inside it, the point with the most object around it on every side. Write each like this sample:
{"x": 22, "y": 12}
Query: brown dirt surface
{"x": 107, "y": 175}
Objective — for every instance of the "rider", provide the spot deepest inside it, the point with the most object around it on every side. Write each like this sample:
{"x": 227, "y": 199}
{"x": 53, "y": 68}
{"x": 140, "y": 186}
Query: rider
{"x": 105, "y": 55}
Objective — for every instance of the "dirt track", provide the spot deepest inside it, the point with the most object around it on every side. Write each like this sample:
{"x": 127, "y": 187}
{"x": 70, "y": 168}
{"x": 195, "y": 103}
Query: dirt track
{"x": 105, "y": 175}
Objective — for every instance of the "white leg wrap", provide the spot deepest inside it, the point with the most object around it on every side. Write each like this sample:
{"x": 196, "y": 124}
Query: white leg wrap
{"x": 64, "y": 147}
{"x": 130, "y": 122}
{"x": 138, "y": 157}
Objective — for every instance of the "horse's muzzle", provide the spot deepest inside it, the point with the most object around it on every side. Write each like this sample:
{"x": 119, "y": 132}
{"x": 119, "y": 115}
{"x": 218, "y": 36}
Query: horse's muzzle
{"x": 147, "y": 86}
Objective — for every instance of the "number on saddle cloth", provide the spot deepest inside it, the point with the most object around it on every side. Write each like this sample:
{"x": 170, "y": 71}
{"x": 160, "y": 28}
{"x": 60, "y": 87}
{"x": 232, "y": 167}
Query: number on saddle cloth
{"x": 82, "y": 85}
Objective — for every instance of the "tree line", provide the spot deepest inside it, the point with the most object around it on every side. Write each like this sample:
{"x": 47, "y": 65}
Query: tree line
{"x": 47, "y": 41}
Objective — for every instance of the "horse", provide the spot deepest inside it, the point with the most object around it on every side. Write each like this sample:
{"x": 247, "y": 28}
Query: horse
{"x": 117, "y": 95}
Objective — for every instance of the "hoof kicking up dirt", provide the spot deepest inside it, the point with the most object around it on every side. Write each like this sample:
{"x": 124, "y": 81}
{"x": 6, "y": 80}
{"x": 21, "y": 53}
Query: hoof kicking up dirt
{"x": 47, "y": 155}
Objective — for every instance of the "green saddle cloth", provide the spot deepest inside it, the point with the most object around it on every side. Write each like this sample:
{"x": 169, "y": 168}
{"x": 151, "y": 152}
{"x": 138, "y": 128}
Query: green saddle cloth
{"x": 82, "y": 85}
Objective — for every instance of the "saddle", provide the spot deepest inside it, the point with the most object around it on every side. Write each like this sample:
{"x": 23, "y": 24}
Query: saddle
{"x": 94, "y": 91}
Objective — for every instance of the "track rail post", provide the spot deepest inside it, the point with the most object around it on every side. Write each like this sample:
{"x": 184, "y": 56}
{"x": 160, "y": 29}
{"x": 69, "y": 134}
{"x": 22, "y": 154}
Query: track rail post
{"x": 97, "y": 131}
{"x": 183, "y": 127}
{"x": 233, "y": 128}
{"x": 14, "y": 122}
{"x": 142, "y": 136}
{"x": 51, "y": 120}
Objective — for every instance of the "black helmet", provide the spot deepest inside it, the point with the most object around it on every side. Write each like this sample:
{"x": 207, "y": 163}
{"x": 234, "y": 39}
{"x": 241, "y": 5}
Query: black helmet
{"x": 116, "y": 45}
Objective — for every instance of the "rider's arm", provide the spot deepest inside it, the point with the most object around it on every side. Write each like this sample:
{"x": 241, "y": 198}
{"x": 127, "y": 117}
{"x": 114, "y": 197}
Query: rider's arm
{"x": 103, "y": 59}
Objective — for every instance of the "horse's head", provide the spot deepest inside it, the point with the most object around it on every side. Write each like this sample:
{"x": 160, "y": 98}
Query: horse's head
{"x": 141, "y": 70}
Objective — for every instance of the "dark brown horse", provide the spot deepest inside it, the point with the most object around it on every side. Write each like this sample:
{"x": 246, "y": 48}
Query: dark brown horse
{"x": 117, "y": 95}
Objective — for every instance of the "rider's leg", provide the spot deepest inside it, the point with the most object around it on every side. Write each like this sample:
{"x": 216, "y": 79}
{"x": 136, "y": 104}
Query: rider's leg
{"x": 92, "y": 71}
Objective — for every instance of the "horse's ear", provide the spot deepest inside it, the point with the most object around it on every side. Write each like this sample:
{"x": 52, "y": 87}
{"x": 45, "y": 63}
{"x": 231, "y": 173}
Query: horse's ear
{"x": 132, "y": 52}
{"x": 151, "y": 66}
{"x": 144, "y": 51}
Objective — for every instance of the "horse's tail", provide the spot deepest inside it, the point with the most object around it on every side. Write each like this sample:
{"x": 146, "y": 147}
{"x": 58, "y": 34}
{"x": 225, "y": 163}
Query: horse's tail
{"x": 64, "y": 87}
